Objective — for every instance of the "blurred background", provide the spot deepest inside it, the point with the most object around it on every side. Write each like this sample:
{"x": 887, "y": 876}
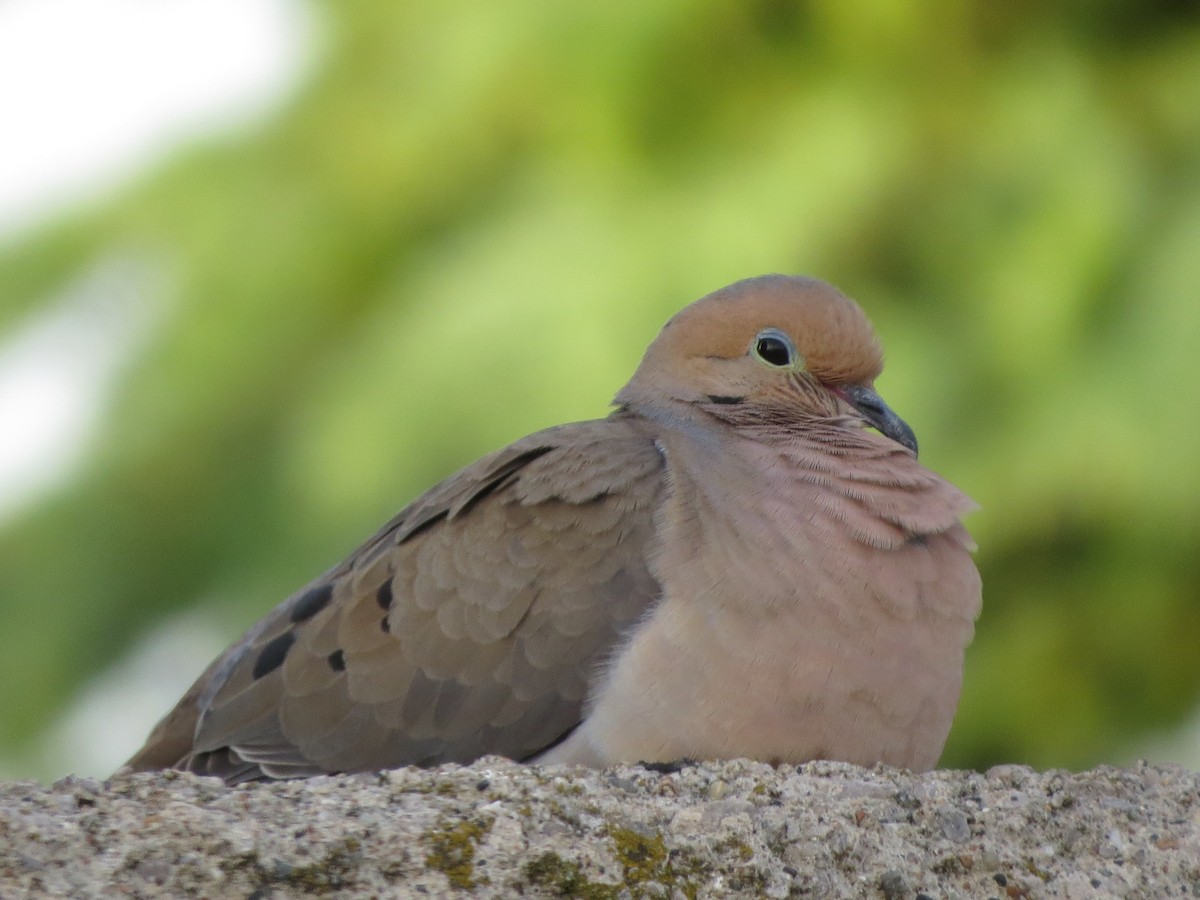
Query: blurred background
{"x": 270, "y": 268}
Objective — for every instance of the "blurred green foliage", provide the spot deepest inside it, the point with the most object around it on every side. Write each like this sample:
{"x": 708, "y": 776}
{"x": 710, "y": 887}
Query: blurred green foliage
{"x": 471, "y": 219}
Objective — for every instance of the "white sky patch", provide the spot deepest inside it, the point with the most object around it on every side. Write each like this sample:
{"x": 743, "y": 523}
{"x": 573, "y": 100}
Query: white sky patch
{"x": 57, "y": 370}
{"x": 91, "y": 92}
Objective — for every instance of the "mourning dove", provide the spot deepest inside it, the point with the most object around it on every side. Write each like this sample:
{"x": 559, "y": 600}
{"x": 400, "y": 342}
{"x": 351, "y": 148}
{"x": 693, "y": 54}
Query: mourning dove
{"x": 731, "y": 564}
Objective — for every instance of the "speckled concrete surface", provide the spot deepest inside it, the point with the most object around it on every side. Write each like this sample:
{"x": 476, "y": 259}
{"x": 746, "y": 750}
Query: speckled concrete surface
{"x": 495, "y": 829}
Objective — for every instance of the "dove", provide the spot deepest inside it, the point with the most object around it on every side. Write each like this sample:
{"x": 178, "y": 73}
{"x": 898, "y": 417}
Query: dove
{"x": 744, "y": 559}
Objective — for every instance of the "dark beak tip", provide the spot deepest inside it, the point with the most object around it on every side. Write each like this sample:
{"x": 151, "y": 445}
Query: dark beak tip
{"x": 881, "y": 417}
{"x": 899, "y": 431}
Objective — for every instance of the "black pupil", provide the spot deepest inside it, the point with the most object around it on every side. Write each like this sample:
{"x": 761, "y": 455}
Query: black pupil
{"x": 773, "y": 350}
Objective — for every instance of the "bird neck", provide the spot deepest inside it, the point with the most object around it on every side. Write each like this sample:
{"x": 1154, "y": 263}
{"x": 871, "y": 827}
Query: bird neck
{"x": 830, "y": 469}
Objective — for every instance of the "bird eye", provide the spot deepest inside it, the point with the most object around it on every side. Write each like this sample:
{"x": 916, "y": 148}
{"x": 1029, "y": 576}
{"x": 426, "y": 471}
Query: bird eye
{"x": 774, "y": 348}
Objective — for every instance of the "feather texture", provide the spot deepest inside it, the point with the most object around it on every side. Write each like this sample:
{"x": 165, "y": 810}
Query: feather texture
{"x": 731, "y": 564}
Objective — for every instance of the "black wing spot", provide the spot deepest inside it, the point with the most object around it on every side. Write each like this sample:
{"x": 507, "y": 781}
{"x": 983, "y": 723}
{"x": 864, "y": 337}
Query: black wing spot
{"x": 502, "y": 477}
{"x": 727, "y": 399}
{"x": 383, "y": 596}
{"x": 487, "y": 490}
{"x": 337, "y": 661}
{"x": 385, "y": 626}
{"x": 423, "y": 527}
{"x": 312, "y": 603}
{"x": 271, "y": 656}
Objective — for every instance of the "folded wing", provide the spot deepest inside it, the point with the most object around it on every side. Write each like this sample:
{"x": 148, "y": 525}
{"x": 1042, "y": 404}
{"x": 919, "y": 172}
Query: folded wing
{"x": 473, "y": 623}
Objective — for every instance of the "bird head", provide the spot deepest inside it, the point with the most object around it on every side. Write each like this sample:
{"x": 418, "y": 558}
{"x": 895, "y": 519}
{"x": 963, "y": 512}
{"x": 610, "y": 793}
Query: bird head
{"x": 781, "y": 351}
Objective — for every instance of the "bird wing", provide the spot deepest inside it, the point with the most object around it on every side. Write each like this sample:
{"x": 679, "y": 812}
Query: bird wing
{"x": 473, "y": 623}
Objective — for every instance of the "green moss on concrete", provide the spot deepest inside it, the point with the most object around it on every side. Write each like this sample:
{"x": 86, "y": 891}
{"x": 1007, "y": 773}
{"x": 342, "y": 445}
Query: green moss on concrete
{"x": 452, "y": 850}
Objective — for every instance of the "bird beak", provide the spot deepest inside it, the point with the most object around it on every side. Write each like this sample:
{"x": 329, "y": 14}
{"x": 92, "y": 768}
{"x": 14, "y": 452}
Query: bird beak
{"x": 880, "y": 416}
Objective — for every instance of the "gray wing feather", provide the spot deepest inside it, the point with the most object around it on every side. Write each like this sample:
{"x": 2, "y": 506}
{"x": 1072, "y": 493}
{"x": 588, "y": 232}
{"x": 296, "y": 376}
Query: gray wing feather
{"x": 471, "y": 624}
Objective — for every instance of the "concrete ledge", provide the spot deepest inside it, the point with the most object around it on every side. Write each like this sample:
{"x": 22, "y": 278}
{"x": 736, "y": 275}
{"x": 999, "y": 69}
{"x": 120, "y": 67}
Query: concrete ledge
{"x": 496, "y": 829}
